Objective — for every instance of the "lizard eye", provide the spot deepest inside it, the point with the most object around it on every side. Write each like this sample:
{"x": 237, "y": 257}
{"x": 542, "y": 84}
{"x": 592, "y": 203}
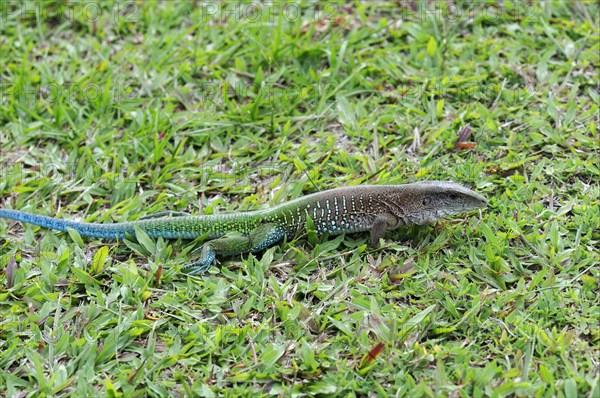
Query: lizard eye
{"x": 453, "y": 196}
{"x": 426, "y": 201}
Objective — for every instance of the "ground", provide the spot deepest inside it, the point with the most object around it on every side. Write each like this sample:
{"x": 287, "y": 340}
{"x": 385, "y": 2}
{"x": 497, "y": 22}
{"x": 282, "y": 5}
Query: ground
{"x": 113, "y": 111}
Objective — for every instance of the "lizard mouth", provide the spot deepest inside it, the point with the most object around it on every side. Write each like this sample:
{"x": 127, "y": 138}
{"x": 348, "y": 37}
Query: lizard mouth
{"x": 483, "y": 201}
{"x": 443, "y": 213}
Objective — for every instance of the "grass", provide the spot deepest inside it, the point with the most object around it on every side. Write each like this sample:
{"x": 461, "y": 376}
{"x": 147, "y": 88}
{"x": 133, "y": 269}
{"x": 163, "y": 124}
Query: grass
{"x": 112, "y": 111}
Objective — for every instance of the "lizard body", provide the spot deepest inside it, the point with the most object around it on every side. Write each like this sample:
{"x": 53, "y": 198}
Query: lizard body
{"x": 374, "y": 208}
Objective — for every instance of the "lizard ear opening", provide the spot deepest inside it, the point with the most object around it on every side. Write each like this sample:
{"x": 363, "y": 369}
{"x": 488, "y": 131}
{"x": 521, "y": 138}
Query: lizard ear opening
{"x": 426, "y": 200}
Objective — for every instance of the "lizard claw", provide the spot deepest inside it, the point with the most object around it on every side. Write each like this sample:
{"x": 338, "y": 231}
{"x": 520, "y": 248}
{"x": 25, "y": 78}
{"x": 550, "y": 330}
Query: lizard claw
{"x": 197, "y": 267}
{"x": 207, "y": 258}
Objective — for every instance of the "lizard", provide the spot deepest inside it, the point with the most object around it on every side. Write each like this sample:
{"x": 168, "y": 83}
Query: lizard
{"x": 360, "y": 208}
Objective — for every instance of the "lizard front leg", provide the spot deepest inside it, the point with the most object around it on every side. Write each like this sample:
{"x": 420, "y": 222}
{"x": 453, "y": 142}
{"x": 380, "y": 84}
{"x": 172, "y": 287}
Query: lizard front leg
{"x": 383, "y": 222}
{"x": 259, "y": 239}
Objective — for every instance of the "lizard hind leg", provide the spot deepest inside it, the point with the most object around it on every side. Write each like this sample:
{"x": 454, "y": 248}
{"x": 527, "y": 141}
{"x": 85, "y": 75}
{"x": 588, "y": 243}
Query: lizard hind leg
{"x": 264, "y": 236}
{"x": 259, "y": 239}
{"x": 203, "y": 263}
{"x": 226, "y": 246}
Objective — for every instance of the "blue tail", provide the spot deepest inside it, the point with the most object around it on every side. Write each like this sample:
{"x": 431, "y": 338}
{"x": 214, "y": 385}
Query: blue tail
{"x": 104, "y": 231}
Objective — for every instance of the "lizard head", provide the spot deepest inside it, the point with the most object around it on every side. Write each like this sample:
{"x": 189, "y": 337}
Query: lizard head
{"x": 434, "y": 200}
